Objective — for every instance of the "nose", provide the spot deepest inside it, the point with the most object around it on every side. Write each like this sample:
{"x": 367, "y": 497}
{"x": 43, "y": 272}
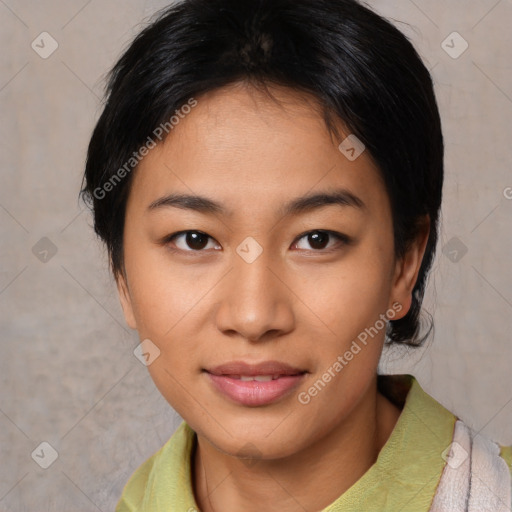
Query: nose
{"x": 256, "y": 304}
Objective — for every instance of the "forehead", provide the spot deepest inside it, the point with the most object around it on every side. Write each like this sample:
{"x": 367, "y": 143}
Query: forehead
{"x": 241, "y": 146}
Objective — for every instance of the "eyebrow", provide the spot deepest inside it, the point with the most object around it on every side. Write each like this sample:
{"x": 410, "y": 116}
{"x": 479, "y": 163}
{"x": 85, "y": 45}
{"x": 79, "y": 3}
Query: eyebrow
{"x": 307, "y": 203}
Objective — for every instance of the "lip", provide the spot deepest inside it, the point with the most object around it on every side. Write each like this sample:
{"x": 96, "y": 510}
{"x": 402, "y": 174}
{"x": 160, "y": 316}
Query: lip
{"x": 252, "y": 370}
{"x": 226, "y": 379}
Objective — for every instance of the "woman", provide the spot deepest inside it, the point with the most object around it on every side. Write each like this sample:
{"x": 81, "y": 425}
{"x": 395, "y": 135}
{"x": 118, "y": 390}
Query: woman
{"x": 267, "y": 177}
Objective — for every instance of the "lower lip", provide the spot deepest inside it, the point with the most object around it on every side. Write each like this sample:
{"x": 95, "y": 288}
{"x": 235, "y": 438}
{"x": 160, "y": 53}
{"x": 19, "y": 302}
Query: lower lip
{"x": 255, "y": 393}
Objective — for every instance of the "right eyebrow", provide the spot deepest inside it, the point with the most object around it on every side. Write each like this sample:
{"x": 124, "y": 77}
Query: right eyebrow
{"x": 189, "y": 202}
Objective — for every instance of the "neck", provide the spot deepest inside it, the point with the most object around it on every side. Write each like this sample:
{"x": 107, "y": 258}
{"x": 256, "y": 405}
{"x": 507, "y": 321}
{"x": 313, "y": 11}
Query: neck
{"x": 310, "y": 479}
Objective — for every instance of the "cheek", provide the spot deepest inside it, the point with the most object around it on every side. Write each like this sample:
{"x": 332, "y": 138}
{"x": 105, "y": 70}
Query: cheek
{"x": 170, "y": 304}
{"x": 162, "y": 293}
{"x": 168, "y": 310}
{"x": 351, "y": 296}
{"x": 350, "y": 301}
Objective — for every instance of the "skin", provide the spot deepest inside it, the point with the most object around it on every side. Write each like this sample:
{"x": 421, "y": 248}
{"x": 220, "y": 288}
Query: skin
{"x": 296, "y": 303}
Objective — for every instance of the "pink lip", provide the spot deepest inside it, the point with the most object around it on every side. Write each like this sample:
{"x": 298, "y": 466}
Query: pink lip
{"x": 226, "y": 379}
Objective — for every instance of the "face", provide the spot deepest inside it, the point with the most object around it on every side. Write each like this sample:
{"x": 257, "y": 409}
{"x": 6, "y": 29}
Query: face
{"x": 256, "y": 278}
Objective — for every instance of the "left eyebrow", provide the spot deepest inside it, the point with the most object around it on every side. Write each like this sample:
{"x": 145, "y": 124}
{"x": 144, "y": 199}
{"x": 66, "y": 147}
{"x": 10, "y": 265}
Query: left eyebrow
{"x": 310, "y": 202}
{"x": 299, "y": 205}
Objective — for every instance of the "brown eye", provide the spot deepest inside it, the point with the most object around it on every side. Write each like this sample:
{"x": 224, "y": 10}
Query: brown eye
{"x": 196, "y": 241}
{"x": 319, "y": 240}
{"x": 190, "y": 241}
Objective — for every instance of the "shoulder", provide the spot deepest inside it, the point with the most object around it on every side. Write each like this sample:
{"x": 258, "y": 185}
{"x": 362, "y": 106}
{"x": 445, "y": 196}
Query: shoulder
{"x": 163, "y": 470}
{"x": 506, "y": 454}
{"x": 135, "y": 488}
{"x": 476, "y": 475}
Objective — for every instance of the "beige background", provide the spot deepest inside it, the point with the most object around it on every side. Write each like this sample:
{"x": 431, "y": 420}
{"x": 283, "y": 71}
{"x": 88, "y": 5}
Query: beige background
{"x": 68, "y": 373}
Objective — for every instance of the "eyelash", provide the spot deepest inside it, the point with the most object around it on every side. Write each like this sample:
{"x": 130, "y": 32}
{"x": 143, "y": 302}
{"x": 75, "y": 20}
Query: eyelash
{"x": 341, "y": 238}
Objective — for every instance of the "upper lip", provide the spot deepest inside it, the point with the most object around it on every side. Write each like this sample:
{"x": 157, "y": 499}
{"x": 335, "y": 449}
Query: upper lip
{"x": 252, "y": 370}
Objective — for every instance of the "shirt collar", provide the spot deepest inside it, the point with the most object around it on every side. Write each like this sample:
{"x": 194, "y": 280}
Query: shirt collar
{"x": 404, "y": 476}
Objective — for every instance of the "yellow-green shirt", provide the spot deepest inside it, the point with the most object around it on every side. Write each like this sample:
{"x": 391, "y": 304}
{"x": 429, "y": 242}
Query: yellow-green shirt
{"x": 403, "y": 478}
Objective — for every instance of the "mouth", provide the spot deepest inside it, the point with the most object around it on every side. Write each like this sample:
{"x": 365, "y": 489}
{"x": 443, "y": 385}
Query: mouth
{"x": 258, "y": 378}
{"x": 255, "y": 385}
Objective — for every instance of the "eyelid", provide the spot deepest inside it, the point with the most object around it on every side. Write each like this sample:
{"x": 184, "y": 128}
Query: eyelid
{"x": 169, "y": 238}
{"x": 341, "y": 238}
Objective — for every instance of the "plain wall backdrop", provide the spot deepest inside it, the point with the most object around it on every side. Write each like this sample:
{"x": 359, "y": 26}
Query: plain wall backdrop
{"x": 68, "y": 374}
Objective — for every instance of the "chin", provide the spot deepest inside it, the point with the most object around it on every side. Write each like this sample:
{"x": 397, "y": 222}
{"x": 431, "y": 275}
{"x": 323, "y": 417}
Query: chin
{"x": 250, "y": 440}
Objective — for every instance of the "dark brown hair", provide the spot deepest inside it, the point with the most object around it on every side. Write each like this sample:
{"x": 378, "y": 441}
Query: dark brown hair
{"x": 361, "y": 69}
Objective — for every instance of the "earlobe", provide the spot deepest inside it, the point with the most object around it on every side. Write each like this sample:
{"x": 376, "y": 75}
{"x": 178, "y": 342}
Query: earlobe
{"x": 407, "y": 270}
{"x": 126, "y": 302}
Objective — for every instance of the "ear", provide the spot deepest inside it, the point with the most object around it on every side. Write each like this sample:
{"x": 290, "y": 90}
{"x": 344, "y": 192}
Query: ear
{"x": 407, "y": 269}
{"x": 126, "y": 301}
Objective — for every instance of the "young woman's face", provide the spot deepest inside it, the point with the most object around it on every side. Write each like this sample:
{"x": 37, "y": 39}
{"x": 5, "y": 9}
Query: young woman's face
{"x": 265, "y": 277}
